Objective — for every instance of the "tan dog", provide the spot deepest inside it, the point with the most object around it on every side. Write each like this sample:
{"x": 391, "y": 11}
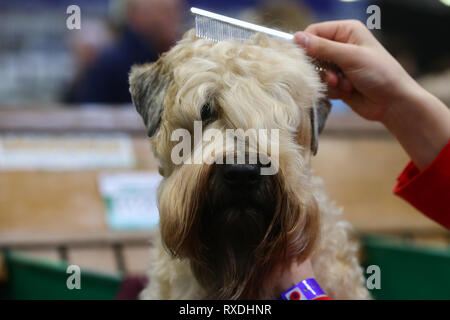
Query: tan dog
{"x": 226, "y": 229}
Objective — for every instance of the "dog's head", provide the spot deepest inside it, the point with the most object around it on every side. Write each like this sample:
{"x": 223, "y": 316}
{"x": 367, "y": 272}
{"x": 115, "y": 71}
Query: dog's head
{"x": 233, "y": 126}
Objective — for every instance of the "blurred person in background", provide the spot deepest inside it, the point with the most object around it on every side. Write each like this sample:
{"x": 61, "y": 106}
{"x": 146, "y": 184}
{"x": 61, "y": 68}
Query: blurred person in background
{"x": 285, "y": 15}
{"x": 151, "y": 27}
{"x": 86, "y": 45}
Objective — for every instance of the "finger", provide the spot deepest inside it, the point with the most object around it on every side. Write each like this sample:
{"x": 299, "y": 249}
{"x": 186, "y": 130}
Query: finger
{"x": 334, "y": 93}
{"x": 345, "y": 31}
{"x": 344, "y": 84}
{"x": 324, "y": 49}
{"x": 331, "y": 79}
{"x": 355, "y": 100}
{"x": 328, "y": 30}
{"x": 337, "y": 93}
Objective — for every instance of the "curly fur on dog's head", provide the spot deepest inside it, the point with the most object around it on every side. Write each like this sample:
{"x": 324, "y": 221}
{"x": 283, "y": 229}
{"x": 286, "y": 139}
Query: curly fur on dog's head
{"x": 233, "y": 244}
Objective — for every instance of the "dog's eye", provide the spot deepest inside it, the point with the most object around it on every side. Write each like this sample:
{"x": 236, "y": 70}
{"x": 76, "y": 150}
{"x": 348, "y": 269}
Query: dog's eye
{"x": 207, "y": 112}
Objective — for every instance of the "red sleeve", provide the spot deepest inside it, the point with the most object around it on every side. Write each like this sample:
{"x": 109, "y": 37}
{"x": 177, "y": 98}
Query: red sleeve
{"x": 428, "y": 190}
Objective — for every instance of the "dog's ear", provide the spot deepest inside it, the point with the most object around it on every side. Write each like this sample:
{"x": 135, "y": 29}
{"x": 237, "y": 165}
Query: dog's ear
{"x": 148, "y": 85}
{"x": 318, "y": 114}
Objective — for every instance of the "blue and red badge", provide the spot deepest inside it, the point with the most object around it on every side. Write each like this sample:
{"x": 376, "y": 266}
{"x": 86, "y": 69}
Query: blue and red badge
{"x": 307, "y": 289}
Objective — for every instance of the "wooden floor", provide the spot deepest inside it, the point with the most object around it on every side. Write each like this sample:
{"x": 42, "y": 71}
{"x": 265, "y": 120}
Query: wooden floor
{"x": 358, "y": 163}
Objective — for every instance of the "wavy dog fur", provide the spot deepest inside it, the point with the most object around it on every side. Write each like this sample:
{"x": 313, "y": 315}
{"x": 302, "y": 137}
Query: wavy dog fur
{"x": 213, "y": 246}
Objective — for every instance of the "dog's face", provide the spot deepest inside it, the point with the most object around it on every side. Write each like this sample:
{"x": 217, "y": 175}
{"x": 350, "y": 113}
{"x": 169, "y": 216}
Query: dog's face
{"x": 233, "y": 222}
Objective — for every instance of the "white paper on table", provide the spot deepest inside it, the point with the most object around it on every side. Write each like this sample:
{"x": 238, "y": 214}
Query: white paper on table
{"x": 130, "y": 199}
{"x": 65, "y": 152}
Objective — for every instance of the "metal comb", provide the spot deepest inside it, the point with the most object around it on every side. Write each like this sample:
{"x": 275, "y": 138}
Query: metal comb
{"x": 216, "y": 27}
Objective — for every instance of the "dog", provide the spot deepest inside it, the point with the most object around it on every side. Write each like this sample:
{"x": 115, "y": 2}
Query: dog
{"x": 226, "y": 230}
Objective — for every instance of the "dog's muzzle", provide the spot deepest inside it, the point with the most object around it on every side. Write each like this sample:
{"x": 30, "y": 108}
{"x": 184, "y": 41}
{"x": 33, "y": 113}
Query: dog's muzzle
{"x": 240, "y": 189}
{"x": 240, "y": 186}
{"x": 240, "y": 175}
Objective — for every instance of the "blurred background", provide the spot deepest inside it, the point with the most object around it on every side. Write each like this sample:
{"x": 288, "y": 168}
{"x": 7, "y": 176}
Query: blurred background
{"x": 77, "y": 177}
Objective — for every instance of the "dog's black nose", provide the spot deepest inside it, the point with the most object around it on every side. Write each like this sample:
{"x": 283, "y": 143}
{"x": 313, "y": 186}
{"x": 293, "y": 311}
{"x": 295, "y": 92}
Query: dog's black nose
{"x": 241, "y": 174}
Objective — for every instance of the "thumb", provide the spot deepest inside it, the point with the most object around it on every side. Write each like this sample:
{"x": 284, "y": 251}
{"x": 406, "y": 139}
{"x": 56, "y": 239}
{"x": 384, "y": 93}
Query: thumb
{"x": 324, "y": 49}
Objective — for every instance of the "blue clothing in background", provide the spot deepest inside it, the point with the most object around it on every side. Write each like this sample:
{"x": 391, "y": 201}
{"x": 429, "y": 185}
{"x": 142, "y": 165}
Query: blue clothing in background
{"x": 106, "y": 81}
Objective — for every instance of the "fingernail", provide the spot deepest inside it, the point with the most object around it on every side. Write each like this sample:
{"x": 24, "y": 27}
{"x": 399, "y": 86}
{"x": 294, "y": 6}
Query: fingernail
{"x": 302, "y": 39}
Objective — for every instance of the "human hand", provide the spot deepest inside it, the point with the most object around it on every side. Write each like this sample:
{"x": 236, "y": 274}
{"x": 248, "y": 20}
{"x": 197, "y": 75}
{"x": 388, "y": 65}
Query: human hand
{"x": 372, "y": 82}
{"x": 376, "y": 87}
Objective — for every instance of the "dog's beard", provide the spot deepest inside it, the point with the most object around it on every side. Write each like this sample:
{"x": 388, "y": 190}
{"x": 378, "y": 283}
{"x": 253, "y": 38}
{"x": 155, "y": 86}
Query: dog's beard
{"x": 235, "y": 239}
{"x": 233, "y": 225}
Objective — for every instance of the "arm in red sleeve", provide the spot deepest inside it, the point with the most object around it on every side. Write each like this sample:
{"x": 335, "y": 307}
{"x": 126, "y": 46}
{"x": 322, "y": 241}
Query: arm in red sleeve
{"x": 428, "y": 190}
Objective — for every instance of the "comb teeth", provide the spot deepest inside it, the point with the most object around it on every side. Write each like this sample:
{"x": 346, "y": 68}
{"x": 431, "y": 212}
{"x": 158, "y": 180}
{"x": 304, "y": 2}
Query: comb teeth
{"x": 215, "y": 30}
{"x": 215, "y": 27}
